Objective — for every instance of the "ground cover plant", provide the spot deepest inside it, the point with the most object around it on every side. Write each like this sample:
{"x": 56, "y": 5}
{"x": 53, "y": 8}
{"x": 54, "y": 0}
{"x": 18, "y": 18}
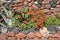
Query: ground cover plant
{"x": 24, "y": 18}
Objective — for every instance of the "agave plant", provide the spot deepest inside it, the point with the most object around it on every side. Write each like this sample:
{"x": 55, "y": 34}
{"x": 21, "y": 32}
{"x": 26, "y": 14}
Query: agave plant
{"x": 6, "y": 15}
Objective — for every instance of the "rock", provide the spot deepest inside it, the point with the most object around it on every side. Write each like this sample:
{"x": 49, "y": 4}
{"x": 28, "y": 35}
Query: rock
{"x": 57, "y": 9}
{"x": 17, "y": 1}
{"x": 44, "y": 2}
{"x": 32, "y": 30}
{"x": 16, "y": 30}
{"x": 58, "y": 6}
{"x": 43, "y": 38}
{"x": 46, "y": 10}
{"x": 58, "y": 2}
{"x": 23, "y": 39}
{"x": 30, "y": 35}
{"x": 44, "y": 31}
{"x": 21, "y": 4}
{"x": 11, "y": 38}
{"x": 18, "y": 38}
{"x": 54, "y": 1}
{"x": 52, "y": 8}
{"x": 36, "y": 2}
{"x": 0, "y": 29}
{"x": 47, "y": 6}
{"x": 53, "y": 5}
{"x": 4, "y": 30}
{"x": 25, "y": 3}
{"x": 39, "y": 5}
{"x": 40, "y": 2}
{"x": 58, "y": 28}
{"x": 30, "y": 4}
{"x": 20, "y": 35}
{"x": 58, "y": 31}
{"x": 2, "y": 0}
{"x": 36, "y": 38}
{"x": 25, "y": 31}
{"x": 29, "y": 0}
{"x": 55, "y": 38}
{"x": 51, "y": 29}
{"x": 3, "y": 37}
{"x": 51, "y": 38}
{"x": 38, "y": 34}
{"x": 57, "y": 35}
{"x": 11, "y": 34}
{"x": 9, "y": 29}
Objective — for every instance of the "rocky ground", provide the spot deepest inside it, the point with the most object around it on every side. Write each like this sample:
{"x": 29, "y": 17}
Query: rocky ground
{"x": 29, "y": 36}
{"x": 50, "y": 8}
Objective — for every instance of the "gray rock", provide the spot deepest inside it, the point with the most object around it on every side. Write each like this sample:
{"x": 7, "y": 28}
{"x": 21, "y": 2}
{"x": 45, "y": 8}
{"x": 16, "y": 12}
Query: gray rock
{"x": 4, "y": 30}
{"x": 32, "y": 30}
{"x": 52, "y": 29}
{"x": 16, "y": 30}
{"x": 54, "y": 1}
{"x": 47, "y": 6}
{"x": 25, "y": 31}
{"x": 9, "y": 29}
{"x": 58, "y": 28}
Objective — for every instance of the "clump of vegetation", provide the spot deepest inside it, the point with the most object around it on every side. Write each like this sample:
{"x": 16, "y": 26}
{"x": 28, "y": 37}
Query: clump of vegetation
{"x": 24, "y": 18}
{"x": 53, "y": 20}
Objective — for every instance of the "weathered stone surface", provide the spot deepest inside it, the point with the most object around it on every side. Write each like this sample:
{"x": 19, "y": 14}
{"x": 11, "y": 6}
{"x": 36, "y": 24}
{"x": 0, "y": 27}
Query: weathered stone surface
{"x": 16, "y": 30}
{"x": 30, "y": 35}
{"x": 20, "y": 35}
{"x": 44, "y": 31}
{"x": 10, "y": 34}
{"x": 17, "y": 1}
{"x": 46, "y": 10}
{"x": 4, "y": 30}
{"x": 58, "y": 6}
{"x": 36, "y": 38}
{"x": 51, "y": 29}
{"x": 57, "y": 35}
{"x": 38, "y": 34}
{"x": 23, "y": 39}
{"x": 57, "y": 9}
{"x": 47, "y": 6}
{"x": 11, "y": 38}
{"x": 3, "y": 37}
